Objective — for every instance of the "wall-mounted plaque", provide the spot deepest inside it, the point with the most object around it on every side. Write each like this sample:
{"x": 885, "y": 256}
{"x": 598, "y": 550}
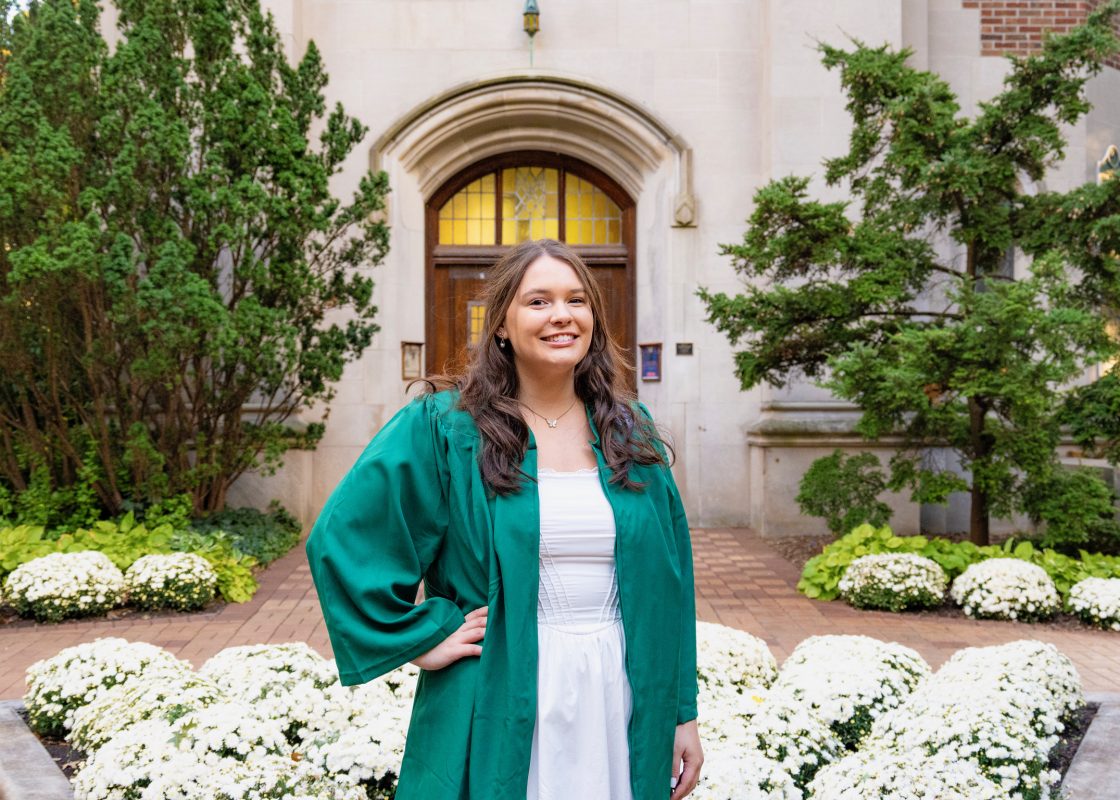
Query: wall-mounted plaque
{"x": 684, "y": 348}
{"x": 411, "y": 368}
{"x": 651, "y": 361}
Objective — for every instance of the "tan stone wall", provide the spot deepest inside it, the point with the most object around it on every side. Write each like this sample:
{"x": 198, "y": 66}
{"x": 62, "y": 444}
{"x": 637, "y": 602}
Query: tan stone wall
{"x": 740, "y": 82}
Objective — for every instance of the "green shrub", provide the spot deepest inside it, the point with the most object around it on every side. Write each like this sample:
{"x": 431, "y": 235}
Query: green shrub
{"x": 845, "y": 491}
{"x": 1078, "y": 509}
{"x": 264, "y": 536}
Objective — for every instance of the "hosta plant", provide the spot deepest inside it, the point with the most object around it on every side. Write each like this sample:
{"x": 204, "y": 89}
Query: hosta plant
{"x": 63, "y": 585}
{"x": 894, "y": 582}
{"x": 1097, "y": 602}
{"x": 1006, "y": 588}
{"x": 58, "y": 686}
{"x": 181, "y": 581}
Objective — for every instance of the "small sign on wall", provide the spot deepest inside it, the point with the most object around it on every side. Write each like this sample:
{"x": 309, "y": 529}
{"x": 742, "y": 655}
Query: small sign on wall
{"x": 411, "y": 368}
{"x": 651, "y": 361}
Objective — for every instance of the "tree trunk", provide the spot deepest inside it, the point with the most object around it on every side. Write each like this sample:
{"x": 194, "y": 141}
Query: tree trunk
{"x": 979, "y": 444}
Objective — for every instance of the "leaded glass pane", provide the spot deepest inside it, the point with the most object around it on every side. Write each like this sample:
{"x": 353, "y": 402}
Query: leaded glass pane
{"x": 476, "y": 316}
{"x": 468, "y": 217}
{"x": 591, "y": 216}
{"x": 530, "y": 204}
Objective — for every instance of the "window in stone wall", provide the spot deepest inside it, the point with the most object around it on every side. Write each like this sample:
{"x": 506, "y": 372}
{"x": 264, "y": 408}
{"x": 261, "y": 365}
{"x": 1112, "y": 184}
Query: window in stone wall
{"x": 534, "y": 202}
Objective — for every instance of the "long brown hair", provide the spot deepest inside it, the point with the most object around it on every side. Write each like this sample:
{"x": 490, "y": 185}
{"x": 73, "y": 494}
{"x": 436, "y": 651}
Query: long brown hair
{"x": 488, "y": 386}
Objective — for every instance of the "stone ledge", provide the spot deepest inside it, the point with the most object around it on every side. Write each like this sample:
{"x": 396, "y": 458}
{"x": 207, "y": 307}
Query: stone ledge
{"x": 27, "y": 771}
{"x": 1094, "y": 773}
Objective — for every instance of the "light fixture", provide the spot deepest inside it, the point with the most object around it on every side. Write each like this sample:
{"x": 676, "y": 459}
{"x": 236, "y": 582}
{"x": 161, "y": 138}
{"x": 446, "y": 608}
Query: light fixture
{"x": 532, "y": 16}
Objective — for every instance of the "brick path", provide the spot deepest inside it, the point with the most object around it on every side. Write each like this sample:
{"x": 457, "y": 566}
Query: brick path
{"x": 740, "y": 581}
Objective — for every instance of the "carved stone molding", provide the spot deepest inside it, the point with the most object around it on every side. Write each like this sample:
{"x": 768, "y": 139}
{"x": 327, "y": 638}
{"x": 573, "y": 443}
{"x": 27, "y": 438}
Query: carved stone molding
{"x": 537, "y": 110}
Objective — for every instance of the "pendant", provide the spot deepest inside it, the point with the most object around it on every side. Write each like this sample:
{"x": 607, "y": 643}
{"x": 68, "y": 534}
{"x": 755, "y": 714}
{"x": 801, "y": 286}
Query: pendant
{"x": 552, "y": 422}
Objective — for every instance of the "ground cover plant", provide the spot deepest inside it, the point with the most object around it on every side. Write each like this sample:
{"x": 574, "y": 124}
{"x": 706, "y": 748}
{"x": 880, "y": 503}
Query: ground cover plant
{"x": 844, "y": 718}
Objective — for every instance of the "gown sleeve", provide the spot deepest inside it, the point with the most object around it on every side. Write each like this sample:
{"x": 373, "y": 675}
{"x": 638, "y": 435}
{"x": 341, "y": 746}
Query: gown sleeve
{"x": 686, "y": 668}
{"x": 377, "y": 535}
{"x": 686, "y": 692}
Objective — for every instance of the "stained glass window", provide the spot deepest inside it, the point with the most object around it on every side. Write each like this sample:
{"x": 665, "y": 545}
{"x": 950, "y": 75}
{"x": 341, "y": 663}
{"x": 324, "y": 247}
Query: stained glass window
{"x": 476, "y": 316}
{"x": 530, "y": 204}
{"x": 531, "y": 207}
{"x": 590, "y": 217}
{"x": 468, "y": 217}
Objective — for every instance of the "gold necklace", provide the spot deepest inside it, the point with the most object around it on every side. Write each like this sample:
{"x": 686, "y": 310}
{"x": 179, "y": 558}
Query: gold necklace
{"x": 551, "y": 422}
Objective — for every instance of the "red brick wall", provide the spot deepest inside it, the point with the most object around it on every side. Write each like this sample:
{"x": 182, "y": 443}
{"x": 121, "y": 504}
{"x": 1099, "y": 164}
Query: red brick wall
{"x": 1017, "y": 26}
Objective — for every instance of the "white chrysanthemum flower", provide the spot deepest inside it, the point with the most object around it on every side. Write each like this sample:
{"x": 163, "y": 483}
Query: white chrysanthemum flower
{"x": 729, "y": 664}
{"x": 1005, "y": 588}
{"x": 1097, "y": 601}
{"x": 851, "y": 680}
{"x": 58, "y": 686}
{"x": 62, "y": 585}
{"x": 894, "y": 581}
{"x": 182, "y": 581}
{"x": 289, "y": 683}
{"x": 732, "y": 772}
{"x": 153, "y": 695}
{"x": 875, "y": 774}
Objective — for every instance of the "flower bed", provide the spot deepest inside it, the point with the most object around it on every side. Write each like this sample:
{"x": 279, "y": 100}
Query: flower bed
{"x": 845, "y": 718}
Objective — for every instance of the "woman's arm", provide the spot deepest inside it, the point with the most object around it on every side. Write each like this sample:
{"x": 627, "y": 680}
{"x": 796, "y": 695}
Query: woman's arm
{"x": 376, "y": 537}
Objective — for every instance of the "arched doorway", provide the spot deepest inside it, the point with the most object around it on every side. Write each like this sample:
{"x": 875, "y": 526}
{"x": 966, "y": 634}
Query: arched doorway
{"x": 501, "y": 201}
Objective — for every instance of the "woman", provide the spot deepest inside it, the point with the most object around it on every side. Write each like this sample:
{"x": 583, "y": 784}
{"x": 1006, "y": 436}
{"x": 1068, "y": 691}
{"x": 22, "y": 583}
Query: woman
{"x": 557, "y": 640}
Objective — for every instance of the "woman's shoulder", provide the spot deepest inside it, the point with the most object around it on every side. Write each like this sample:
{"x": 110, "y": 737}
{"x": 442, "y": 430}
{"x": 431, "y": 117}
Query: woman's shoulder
{"x": 443, "y": 408}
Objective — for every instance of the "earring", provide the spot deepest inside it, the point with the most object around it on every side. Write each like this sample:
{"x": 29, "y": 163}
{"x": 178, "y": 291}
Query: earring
{"x": 502, "y": 343}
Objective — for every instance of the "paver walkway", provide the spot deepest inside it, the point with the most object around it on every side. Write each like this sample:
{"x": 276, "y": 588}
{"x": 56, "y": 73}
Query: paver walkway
{"x": 740, "y": 581}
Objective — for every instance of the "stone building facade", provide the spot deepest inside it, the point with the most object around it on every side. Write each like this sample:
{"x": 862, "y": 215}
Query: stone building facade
{"x": 649, "y": 125}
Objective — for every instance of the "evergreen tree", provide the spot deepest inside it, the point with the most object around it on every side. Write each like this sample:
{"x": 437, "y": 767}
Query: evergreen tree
{"x": 171, "y": 248}
{"x": 940, "y": 343}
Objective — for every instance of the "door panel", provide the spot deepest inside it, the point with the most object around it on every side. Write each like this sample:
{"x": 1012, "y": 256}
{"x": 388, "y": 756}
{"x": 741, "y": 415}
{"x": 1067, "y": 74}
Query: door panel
{"x": 458, "y": 287}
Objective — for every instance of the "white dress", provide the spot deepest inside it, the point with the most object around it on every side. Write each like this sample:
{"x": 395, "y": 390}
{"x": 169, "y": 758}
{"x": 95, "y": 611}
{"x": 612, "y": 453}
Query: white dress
{"x": 580, "y": 750}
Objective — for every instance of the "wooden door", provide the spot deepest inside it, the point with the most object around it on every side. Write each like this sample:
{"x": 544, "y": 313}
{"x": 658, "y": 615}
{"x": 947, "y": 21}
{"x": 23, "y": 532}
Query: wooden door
{"x": 474, "y": 218}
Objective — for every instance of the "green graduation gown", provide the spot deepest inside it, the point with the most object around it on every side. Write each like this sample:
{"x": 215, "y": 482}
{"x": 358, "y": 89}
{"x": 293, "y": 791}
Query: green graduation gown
{"x": 414, "y": 507}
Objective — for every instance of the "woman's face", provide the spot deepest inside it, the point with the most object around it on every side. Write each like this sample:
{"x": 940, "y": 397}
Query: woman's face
{"x": 549, "y": 321}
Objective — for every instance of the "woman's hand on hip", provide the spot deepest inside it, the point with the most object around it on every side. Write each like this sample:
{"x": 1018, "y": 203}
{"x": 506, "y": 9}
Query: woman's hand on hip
{"x": 461, "y": 644}
{"x": 686, "y": 748}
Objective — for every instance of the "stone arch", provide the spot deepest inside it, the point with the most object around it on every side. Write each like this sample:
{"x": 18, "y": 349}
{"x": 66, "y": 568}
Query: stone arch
{"x": 538, "y": 111}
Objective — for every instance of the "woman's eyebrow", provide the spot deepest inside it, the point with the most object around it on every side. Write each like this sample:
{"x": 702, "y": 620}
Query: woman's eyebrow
{"x": 528, "y": 292}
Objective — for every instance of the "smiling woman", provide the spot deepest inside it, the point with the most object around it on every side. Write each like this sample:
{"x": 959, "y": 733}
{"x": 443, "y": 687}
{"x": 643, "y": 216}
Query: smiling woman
{"x": 549, "y": 668}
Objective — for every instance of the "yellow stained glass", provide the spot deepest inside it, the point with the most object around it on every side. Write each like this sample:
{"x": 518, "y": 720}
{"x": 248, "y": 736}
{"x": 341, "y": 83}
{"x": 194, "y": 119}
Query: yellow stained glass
{"x": 476, "y": 316}
{"x": 530, "y": 204}
{"x": 468, "y": 217}
{"x": 591, "y": 216}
